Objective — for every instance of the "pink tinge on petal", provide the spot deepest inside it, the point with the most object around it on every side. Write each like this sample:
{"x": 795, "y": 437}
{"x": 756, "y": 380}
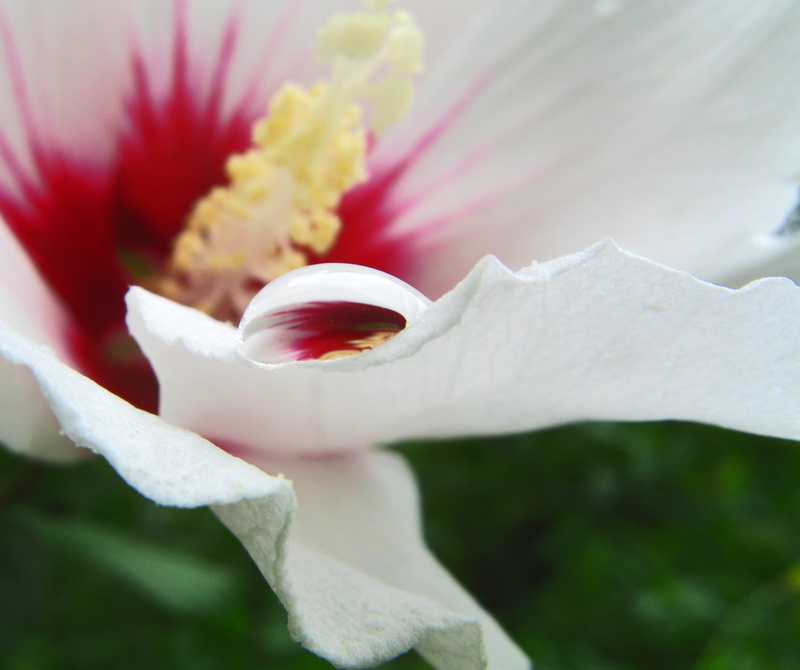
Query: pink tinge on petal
{"x": 366, "y": 237}
{"x": 318, "y": 330}
{"x": 20, "y": 92}
{"x": 175, "y": 151}
{"x": 274, "y": 41}
{"x": 94, "y": 229}
{"x": 368, "y": 211}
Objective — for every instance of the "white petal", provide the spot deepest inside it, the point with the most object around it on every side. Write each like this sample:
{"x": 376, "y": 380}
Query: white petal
{"x": 27, "y": 305}
{"x": 251, "y": 46}
{"x": 167, "y": 464}
{"x": 64, "y": 70}
{"x": 671, "y": 125}
{"x": 360, "y": 585}
{"x": 335, "y": 608}
{"x": 274, "y": 41}
{"x": 64, "y": 63}
{"x": 600, "y": 335}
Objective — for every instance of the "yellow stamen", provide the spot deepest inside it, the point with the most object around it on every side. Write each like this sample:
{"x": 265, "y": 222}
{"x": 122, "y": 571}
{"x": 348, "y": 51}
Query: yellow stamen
{"x": 281, "y": 200}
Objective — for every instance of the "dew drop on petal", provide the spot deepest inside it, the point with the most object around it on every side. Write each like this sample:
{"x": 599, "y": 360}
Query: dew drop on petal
{"x": 327, "y": 311}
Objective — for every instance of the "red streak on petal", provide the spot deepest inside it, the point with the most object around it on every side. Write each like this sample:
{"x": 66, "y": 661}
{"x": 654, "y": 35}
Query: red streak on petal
{"x": 64, "y": 222}
{"x": 364, "y": 239}
{"x": 175, "y": 152}
{"x": 314, "y": 329}
{"x": 18, "y": 86}
{"x": 368, "y": 211}
{"x": 79, "y": 221}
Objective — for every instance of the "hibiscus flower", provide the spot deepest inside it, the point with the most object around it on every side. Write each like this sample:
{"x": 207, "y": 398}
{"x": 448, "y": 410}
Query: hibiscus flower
{"x": 537, "y": 131}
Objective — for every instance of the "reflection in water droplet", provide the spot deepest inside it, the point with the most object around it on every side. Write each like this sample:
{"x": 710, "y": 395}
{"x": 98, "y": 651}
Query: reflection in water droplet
{"x": 326, "y": 312}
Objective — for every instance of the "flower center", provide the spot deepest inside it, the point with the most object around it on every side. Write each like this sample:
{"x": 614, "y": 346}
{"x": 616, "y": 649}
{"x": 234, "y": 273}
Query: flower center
{"x": 280, "y": 205}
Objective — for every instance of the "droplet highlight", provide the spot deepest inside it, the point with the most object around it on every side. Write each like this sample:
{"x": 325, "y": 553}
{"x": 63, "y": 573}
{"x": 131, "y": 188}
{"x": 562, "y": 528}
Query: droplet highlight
{"x": 326, "y": 312}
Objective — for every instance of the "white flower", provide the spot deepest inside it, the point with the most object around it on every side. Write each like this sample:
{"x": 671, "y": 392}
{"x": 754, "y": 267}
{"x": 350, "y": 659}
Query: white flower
{"x": 538, "y": 130}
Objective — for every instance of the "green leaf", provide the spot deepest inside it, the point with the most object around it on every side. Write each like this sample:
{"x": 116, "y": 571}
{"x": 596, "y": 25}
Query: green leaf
{"x": 174, "y": 580}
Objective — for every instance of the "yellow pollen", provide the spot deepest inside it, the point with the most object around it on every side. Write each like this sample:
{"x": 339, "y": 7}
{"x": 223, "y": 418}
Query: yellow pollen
{"x": 280, "y": 204}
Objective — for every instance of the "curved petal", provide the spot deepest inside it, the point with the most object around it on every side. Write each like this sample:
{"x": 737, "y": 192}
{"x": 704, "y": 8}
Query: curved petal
{"x": 553, "y": 124}
{"x": 363, "y": 587}
{"x": 167, "y": 464}
{"x": 335, "y": 609}
{"x": 26, "y": 305}
{"x": 600, "y": 335}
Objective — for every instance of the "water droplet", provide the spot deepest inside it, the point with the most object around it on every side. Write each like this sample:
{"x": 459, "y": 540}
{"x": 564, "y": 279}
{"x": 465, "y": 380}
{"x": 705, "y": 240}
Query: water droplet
{"x": 327, "y": 311}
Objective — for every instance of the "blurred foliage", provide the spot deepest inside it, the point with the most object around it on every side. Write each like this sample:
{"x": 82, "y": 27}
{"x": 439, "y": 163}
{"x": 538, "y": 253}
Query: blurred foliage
{"x": 599, "y": 547}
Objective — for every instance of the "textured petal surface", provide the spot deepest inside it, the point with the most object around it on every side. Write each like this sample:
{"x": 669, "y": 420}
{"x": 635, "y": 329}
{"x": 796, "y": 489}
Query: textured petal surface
{"x": 363, "y": 587}
{"x": 167, "y": 464}
{"x": 348, "y": 605}
{"x": 564, "y": 121}
{"x": 599, "y": 335}
{"x": 26, "y": 422}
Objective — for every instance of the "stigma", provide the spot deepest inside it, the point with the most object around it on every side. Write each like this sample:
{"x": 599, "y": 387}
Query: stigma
{"x": 280, "y": 205}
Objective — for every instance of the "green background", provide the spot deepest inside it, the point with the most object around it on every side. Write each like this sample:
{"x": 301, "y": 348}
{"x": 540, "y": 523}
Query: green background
{"x": 598, "y": 547}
